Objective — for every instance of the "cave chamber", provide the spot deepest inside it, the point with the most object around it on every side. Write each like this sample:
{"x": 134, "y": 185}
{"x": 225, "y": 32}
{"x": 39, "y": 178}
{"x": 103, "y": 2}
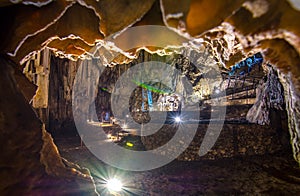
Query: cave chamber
{"x": 232, "y": 65}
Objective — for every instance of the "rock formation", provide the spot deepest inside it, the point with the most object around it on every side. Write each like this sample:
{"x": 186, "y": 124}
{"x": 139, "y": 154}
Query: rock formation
{"x": 233, "y": 29}
{"x": 30, "y": 160}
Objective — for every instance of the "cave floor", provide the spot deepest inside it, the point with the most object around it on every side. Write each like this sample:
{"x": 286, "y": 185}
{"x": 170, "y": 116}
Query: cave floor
{"x": 276, "y": 174}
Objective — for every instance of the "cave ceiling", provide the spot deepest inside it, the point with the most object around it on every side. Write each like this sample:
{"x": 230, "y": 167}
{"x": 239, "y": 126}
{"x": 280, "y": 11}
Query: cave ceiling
{"x": 234, "y": 29}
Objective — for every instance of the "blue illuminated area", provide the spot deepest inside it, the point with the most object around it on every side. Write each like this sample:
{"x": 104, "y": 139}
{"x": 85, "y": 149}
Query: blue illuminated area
{"x": 244, "y": 67}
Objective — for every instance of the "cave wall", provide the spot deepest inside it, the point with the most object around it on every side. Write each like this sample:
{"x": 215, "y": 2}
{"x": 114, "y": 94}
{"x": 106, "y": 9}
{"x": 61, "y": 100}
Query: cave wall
{"x": 62, "y": 75}
{"x": 30, "y": 162}
{"x": 270, "y": 96}
{"x": 292, "y": 107}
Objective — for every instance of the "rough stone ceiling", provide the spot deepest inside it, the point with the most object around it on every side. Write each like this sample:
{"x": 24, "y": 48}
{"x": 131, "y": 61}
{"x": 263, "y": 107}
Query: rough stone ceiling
{"x": 234, "y": 28}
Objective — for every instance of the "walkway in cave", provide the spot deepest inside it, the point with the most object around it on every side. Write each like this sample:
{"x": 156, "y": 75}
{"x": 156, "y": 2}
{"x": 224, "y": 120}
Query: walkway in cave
{"x": 269, "y": 170}
{"x": 261, "y": 174}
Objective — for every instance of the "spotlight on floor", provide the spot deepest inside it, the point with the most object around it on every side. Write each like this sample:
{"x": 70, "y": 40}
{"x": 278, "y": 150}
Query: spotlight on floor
{"x": 177, "y": 119}
{"x": 114, "y": 185}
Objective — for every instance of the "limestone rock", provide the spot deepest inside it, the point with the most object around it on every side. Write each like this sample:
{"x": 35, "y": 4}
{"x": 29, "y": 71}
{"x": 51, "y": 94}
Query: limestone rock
{"x": 269, "y": 96}
{"x": 30, "y": 161}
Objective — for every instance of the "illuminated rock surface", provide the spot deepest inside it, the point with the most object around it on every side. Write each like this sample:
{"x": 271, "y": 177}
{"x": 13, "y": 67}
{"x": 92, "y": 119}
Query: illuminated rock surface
{"x": 233, "y": 29}
{"x": 30, "y": 160}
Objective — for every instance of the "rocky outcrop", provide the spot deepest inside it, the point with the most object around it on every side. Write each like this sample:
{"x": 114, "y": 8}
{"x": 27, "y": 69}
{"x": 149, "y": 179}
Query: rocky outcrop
{"x": 269, "y": 96}
{"x": 292, "y": 107}
{"x": 30, "y": 162}
{"x": 276, "y": 98}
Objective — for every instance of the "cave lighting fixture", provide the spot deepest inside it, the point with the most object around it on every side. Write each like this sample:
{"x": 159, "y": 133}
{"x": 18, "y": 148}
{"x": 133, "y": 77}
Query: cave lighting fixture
{"x": 129, "y": 144}
{"x": 177, "y": 119}
{"x": 114, "y": 185}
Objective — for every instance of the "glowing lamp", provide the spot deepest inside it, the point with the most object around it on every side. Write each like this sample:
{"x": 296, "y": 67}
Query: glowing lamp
{"x": 114, "y": 185}
{"x": 177, "y": 119}
{"x": 129, "y": 144}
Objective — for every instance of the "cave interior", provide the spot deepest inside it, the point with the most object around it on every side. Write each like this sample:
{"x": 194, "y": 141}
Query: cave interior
{"x": 96, "y": 75}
